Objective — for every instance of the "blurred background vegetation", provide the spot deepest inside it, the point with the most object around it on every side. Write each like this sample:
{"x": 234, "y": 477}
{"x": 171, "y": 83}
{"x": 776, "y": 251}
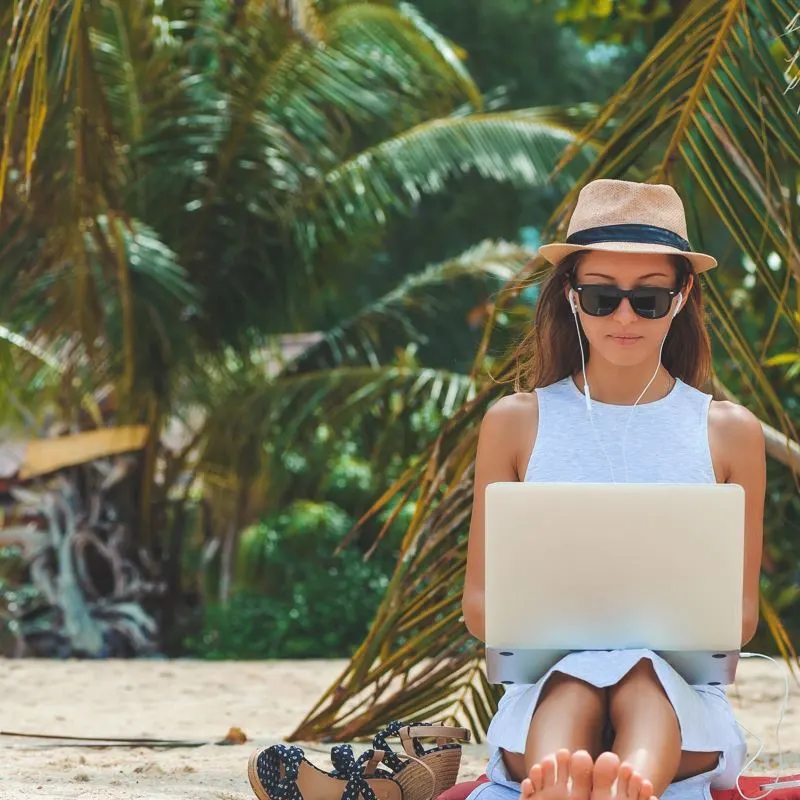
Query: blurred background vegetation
{"x": 272, "y": 235}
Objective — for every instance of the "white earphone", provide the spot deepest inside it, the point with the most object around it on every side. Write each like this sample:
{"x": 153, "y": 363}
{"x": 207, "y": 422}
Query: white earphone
{"x": 571, "y": 297}
{"x": 586, "y": 393}
{"x": 678, "y": 305}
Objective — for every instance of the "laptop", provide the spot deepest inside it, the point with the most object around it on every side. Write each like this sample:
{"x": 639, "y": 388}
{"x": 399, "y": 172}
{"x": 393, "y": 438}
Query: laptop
{"x": 578, "y": 566}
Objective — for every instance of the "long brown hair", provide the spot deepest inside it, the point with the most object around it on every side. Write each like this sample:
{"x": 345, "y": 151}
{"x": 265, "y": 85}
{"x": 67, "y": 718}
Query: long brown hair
{"x": 550, "y": 352}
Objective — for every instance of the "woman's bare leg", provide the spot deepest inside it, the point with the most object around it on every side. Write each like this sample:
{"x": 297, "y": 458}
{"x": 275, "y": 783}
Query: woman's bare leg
{"x": 570, "y": 715}
{"x": 648, "y": 738}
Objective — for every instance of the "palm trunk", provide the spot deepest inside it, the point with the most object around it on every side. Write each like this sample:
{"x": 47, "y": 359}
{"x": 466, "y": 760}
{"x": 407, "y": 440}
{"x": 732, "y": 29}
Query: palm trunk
{"x": 231, "y": 543}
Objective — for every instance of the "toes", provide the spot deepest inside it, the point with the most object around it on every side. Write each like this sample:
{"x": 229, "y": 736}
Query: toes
{"x": 580, "y": 769}
{"x": 548, "y": 772}
{"x": 635, "y": 786}
{"x": 624, "y": 777}
{"x": 562, "y": 767}
{"x": 646, "y": 791}
{"x": 527, "y": 788}
{"x": 605, "y": 772}
{"x": 536, "y": 778}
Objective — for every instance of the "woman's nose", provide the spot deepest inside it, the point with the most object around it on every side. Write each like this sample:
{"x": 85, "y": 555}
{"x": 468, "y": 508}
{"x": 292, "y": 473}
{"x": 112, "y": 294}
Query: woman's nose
{"x": 625, "y": 313}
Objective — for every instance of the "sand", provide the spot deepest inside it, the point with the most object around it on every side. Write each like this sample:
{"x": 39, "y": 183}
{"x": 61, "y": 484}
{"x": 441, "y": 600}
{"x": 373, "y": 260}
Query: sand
{"x": 201, "y": 701}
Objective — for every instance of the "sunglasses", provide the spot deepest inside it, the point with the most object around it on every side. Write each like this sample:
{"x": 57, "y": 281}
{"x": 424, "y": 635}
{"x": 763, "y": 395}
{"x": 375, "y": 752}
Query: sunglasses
{"x": 601, "y": 300}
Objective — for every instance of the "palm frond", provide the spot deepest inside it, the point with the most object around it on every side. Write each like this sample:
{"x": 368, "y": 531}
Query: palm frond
{"x": 375, "y": 56}
{"x": 248, "y": 420}
{"x": 276, "y": 410}
{"x": 520, "y": 147}
{"x": 418, "y": 657}
{"x": 50, "y": 56}
{"x": 31, "y": 383}
{"x": 793, "y": 67}
{"x": 41, "y": 290}
{"x": 412, "y": 311}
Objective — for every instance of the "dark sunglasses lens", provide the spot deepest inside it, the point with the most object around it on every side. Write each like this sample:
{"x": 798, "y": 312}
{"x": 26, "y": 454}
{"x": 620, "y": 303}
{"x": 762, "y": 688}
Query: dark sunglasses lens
{"x": 651, "y": 303}
{"x": 600, "y": 301}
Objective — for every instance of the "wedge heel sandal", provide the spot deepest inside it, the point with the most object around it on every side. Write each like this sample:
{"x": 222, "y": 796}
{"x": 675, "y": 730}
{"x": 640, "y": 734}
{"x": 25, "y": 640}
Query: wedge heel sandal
{"x": 423, "y": 774}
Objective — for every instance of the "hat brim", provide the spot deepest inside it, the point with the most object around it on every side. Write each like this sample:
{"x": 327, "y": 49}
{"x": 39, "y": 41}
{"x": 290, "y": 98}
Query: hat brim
{"x": 557, "y": 252}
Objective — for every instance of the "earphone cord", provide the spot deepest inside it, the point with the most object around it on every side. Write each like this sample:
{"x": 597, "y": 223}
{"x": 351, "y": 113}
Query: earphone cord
{"x": 587, "y": 393}
{"x": 784, "y": 704}
{"x": 633, "y": 408}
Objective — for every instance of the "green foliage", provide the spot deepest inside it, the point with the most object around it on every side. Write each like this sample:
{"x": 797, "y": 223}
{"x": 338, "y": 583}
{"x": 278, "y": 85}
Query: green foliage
{"x": 185, "y": 185}
{"x": 521, "y": 53}
{"x": 18, "y": 601}
{"x": 297, "y": 598}
{"x": 619, "y": 21}
{"x": 294, "y": 595}
{"x": 520, "y": 57}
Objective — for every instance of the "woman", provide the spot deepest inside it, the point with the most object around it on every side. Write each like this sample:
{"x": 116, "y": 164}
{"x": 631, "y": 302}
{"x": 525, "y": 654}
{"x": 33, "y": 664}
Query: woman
{"x": 617, "y": 358}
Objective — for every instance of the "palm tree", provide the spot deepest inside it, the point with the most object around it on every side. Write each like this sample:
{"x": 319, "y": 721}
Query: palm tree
{"x": 176, "y": 177}
{"x": 183, "y": 182}
{"x": 708, "y": 112}
{"x": 256, "y": 411}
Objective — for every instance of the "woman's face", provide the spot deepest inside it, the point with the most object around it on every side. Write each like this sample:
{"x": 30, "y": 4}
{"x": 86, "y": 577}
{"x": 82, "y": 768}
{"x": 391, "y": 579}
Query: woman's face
{"x": 624, "y": 338}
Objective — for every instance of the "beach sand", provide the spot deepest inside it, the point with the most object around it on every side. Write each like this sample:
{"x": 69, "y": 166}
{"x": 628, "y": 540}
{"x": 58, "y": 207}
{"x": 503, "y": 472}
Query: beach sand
{"x": 202, "y": 701}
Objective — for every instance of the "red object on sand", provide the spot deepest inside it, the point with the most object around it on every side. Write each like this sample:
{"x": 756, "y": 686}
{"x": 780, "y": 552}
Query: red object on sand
{"x": 751, "y": 787}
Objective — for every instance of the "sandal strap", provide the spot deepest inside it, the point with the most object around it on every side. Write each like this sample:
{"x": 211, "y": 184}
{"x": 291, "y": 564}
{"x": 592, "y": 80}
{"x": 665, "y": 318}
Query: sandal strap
{"x": 268, "y": 765}
{"x": 379, "y": 742}
{"x": 374, "y": 762}
{"x": 354, "y": 770}
{"x": 434, "y": 732}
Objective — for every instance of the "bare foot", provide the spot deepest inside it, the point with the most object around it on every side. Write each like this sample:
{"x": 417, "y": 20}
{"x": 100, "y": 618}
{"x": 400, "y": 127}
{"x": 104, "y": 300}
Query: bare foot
{"x": 563, "y": 776}
{"x": 614, "y": 781}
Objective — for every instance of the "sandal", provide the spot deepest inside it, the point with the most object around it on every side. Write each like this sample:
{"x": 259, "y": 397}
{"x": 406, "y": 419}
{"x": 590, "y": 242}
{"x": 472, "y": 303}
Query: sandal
{"x": 414, "y": 772}
{"x": 282, "y": 772}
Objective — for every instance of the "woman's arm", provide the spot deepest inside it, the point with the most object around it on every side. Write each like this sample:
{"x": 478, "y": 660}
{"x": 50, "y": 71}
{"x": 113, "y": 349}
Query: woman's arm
{"x": 738, "y": 446}
{"x": 505, "y": 438}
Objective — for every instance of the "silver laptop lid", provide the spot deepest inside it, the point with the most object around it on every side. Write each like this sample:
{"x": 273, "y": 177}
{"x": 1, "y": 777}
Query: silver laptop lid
{"x": 612, "y": 566}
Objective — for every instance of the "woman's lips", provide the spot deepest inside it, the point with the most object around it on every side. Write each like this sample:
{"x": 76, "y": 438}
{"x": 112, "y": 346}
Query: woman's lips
{"x": 625, "y": 340}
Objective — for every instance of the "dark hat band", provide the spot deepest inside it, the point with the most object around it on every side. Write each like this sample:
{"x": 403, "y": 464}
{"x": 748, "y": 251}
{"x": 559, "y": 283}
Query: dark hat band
{"x": 630, "y": 232}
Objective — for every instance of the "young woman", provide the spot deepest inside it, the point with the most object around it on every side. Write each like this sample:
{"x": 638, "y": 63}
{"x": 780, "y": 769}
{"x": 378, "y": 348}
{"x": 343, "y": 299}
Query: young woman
{"x": 624, "y": 299}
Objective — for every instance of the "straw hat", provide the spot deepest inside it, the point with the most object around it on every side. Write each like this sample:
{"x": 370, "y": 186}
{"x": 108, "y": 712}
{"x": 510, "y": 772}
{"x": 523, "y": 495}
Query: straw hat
{"x": 628, "y": 217}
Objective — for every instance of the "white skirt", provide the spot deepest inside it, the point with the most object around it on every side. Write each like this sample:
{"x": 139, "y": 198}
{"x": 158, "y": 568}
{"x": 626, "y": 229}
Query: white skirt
{"x": 705, "y": 717}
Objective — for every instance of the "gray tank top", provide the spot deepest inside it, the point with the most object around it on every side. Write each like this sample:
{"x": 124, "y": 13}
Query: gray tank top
{"x": 666, "y": 441}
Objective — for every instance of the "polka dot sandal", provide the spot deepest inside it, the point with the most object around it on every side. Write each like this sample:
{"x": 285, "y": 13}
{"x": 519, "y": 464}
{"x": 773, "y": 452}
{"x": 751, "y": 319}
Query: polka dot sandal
{"x": 423, "y": 774}
{"x": 282, "y": 772}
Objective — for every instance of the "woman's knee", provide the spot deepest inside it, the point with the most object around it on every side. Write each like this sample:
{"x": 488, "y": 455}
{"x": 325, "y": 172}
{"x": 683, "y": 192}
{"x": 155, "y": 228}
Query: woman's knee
{"x": 570, "y": 714}
{"x": 637, "y": 687}
{"x": 577, "y": 696}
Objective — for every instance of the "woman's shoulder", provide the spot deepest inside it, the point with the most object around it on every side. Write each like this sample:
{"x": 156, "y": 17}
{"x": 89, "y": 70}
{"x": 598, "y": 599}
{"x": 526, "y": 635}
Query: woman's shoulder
{"x": 509, "y": 428}
{"x": 733, "y": 420}
{"x": 511, "y": 409}
{"x": 735, "y": 432}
